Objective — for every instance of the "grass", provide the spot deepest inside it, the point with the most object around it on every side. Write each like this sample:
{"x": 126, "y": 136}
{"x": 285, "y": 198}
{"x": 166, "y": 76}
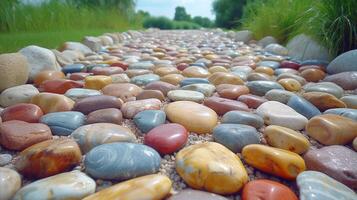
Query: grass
{"x": 166, "y": 23}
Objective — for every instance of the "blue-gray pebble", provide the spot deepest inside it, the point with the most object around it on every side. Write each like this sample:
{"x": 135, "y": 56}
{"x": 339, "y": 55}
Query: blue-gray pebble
{"x": 242, "y": 117}
{"x": 344, "y": 112}
{"x": 149, "y": 119}
{"x": 260, "y": 88}
{"x": 73, "y": 68}
{"x": 302, "y": 106}
{"x": 63, "y": 123}
{"x": 145, "y": 79}
{"x": 189, "y": 81}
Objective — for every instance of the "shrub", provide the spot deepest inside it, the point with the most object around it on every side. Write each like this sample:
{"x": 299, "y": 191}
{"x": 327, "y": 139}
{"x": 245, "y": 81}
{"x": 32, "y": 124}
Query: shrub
{"x": 158, "y": 22}
{"x": 185, "y": 25}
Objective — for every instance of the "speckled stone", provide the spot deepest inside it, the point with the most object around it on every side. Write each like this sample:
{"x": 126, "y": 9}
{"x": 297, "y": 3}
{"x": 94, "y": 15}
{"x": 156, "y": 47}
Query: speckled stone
{"x": 260, "y": 88}
{"x": 63, "y": 123}
{"x": 242, "y": 117}
{"x": 131, "y": 108}
{"x": 149, "y": 119}
{"x": 121, "y": 161}
{"x": 10, "y": 182}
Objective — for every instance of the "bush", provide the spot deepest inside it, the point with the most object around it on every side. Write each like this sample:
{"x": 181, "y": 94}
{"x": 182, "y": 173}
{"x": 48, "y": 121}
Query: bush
{"x": 228, "y": 12}
{"x": 185, "y": 25}
{"x": 158, "y": 22}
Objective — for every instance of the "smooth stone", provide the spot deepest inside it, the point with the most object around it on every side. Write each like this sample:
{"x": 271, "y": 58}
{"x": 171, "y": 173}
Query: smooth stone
{"x": 242, "y": 117}
{"x": 92, "y": 135}
{"x": 189, "y": 81}
{"x": 276, "y": 113}
{"x": 206, "y": 89}
{"x": 185, "y": 95}
{"x": 151, "y": 94}
{"x": 79, "y": 76}
{"x": 279, "y": 71}
{"x": 327, "y": 87}
{"x": 265, "y": 70}
{"x": 298, "y": 78}
{"x": 214, "y": 69}
{"x": 245, "y": 69}
{"x": 344, "y": 112}
{"x": 336, "y": 161}
{"x": 320, "y": 62}
{"x": 258, "y": 77}
{"x": 131, "y": 108}
{"x": 141, "y": 65}
{"x": 195, "y": 72}
{"x": 330, "y": 129}
{"x": 265, "y": 41}
{"x": 145, "y": 79}
{"x": 121, "y": 161}
{"x": 324, "y": 101}
{"x": 48, "y": 75}
{"x": 313, "y": 75}
{"x": 290, "y": 84}
{"x": 14, "y": 70}
{"x": 79, "y": 93}
{"x": 267, "y": 190}
{"x": 167, "y": 138}
{"x": 193, "y": 116}
{"x": 48, "y": 158}
{"x": 149, "y": 119}
{"x": 315, "y": 185}
{"x": 63, "y": 123}
{"x": 10, "y": 182}
{"x": 5, "y": 159}
{"x": 162, "y": 71}
{"x": 17, "y": 94}
{"x": 350, "y": 101}
{"x": 225, "y": 78}
{"x": 235, "y": 136}
{"x": 49, "y": 102}
{"x": 153, "y": 186}
{"x": 124, "y": 91}
{"x": 222, "y": 105}
{"x": 230, "y": 91}
{"x": 196, "y": 195}
{"x": 305, "y": 48}
{"x": 346, "y": 80}
{"x": 260, "y": 88}
{"x": 39, "y": 59}
{"x": 93, "y": 103}
{"x": 18, "y": 135}
{"x": 173, "y": 79}
{"x": 303, "y": 106}
{"x": 285, "y": 138}
{"x": 160, "y": 85}
{"x": 75, "y": 46}
{"x": 136, "y": 72}
{"x": 23, "y": 111}
{"x": 107, "y": 115}
{"x": 279, "y": 162}
{"x": 97, "y": 82}
{"x": 345, "y": 62}
{"x": 203, "y": 167}
{"x": 290, "y": 64}
{"x": 252, "y": 101}
{"x": 107, "y": 71}
{"x": 281, "y": 96}
{"x": 59, "y": 86}
{"x": 120, "y": 78}
{"x": 271, "y": 64}
{"x": 276, "y": 49}
{"x": 73, "y": 68}
{"x": 68, "y": 185}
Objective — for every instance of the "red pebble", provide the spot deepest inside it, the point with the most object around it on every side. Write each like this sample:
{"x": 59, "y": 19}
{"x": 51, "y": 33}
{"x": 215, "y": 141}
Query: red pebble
{"x": 59, "y": 86}
{"x": 23, "y": 111}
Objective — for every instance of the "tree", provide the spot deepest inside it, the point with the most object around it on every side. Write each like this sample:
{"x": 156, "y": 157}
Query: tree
{"x": 203, "y": 21}
{"x": 228, "y": 12}
{"x": 181, "y": 15}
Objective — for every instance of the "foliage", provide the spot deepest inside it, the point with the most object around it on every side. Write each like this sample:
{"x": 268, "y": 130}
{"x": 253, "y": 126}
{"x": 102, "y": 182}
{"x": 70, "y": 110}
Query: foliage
{"x": 203, "y": 21}
{"x": 127, "y": 6}
{"x": 228, "y": 12}
{"x": 185, "y": 25}
{"x": 181, "y": 14}
{"x": 158, "y": 22}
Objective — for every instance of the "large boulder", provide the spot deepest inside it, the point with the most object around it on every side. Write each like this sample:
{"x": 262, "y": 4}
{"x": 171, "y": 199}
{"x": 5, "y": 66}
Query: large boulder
{"x": 302, "y": 47}
{"x": 76, "y": 46}
{"x": 266, "y": 41}
{"x": 39, "y": 59}
{"x": 276, "y": 49}
{"x": 244, "y": 36}
{"x": 343, "y": 63}
{"x": 93, "y": 43}
{"x": 13, "y": 70}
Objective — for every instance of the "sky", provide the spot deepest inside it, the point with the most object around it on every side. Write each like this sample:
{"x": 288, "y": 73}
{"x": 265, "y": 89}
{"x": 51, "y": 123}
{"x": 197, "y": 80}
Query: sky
{"x": 167, "y": 7}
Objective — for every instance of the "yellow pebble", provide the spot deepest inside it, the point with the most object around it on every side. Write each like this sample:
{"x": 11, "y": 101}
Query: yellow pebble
{"x": 97, "y": 82}
{"x": 265, "y": 70}
{"x": 218, "y": 78}
{"x": 290, "y": 84}
{"x": 162, "y": 71}
{"x": 286, "y": 138}
{"x": 217, "y": 69}
{"x": 195, "y": 72}
{"x": 174, "y": 79}
{"x": 279, "y": 162}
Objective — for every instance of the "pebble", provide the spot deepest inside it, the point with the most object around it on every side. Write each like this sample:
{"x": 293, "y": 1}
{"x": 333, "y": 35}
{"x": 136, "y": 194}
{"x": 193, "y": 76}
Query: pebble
{"x": 196, "y": 195}
{"x": 271, "y": 64}
{"x": 18, "y": 135}
{"x": 302, "y": 106}
{"x": 281, "y": 96}
{"x": 136, "y": 72}
{"x": 206, "y": 89}
{"x": 79, "y": 93}
{"x": 23, "y": 112}
{"x": 131, "y": 108}
{"x": 290, "y": 84}
{"x": 354, "y": 143}
{"x": 276, "y": 113}
{"x": 14, "y": 70}
{"x": 203, "y": 167}
{"x": 121, "y": 161}
{"x": 327, "y": 87}
{"x": 230, "y": 91}
{"x": 68, "y": 185}
{"x": 79, "y": 76}
{"x": 149, "y": 119}
{"x": 317, "y": 185}
{"x": 48, "y": 75}
{"x": 93, "y": 103}
{"x": 330, "y": 129}
{"x": 107, "y": 115}
{"x": 279, "y": 162}
{"x": 185, "y": 95}
{"x": 145, "y": 187}
{"x": 259, "y": 77}
{"x": 266, "y": 70}
{"x": 336, "y": 161}
{"x": 107, "y": 71}
{"x": 346, "y": 80}
{"x": 343, "y": 63}
{"x": 92, "y": 135}
{"x": 120, "y": 78}
{"x": 173, "y": 79}
{"x": 160, "y": 85}
{"x": 73, "y": 68}
{"x": 162, "y": 71}
{"x": 235, "y": 136}
{"x": 167, "y": 138}
{"x": 285, "y": 138}
{"x": 313, "y": 75}
{"x": 193, "y": 116}
{"x": 260, "y": 88}
{"x": 149, "y": 94}
{"x": 344, "y": 112}
{"x": 10, "y": 182}
{"x": 242, "y": 117}
{"x": 59, "y": 86}
{"x": 290, "y": 64}
{"x": 145, "y": 79}
{"x": 189, "y": 81}
{"x": 63, "y": 123}
{"x": 97, "y": 82}
{"x": 267, "y": 190}
{"x": 223, "y": 105}
{"x": 124, "y": 91}
{"x": 252, "y": 101}
{"x": 48, "y": 158}
{"x": 195, "y": 72}
{"x": 17, "y": 94}
{"x": 225, "y": 78}
{"x": 49, "y": 102}
{"x": 5, "y": 159}
{"x": 350, "y": 101}
{"x": 324, "y": 101}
